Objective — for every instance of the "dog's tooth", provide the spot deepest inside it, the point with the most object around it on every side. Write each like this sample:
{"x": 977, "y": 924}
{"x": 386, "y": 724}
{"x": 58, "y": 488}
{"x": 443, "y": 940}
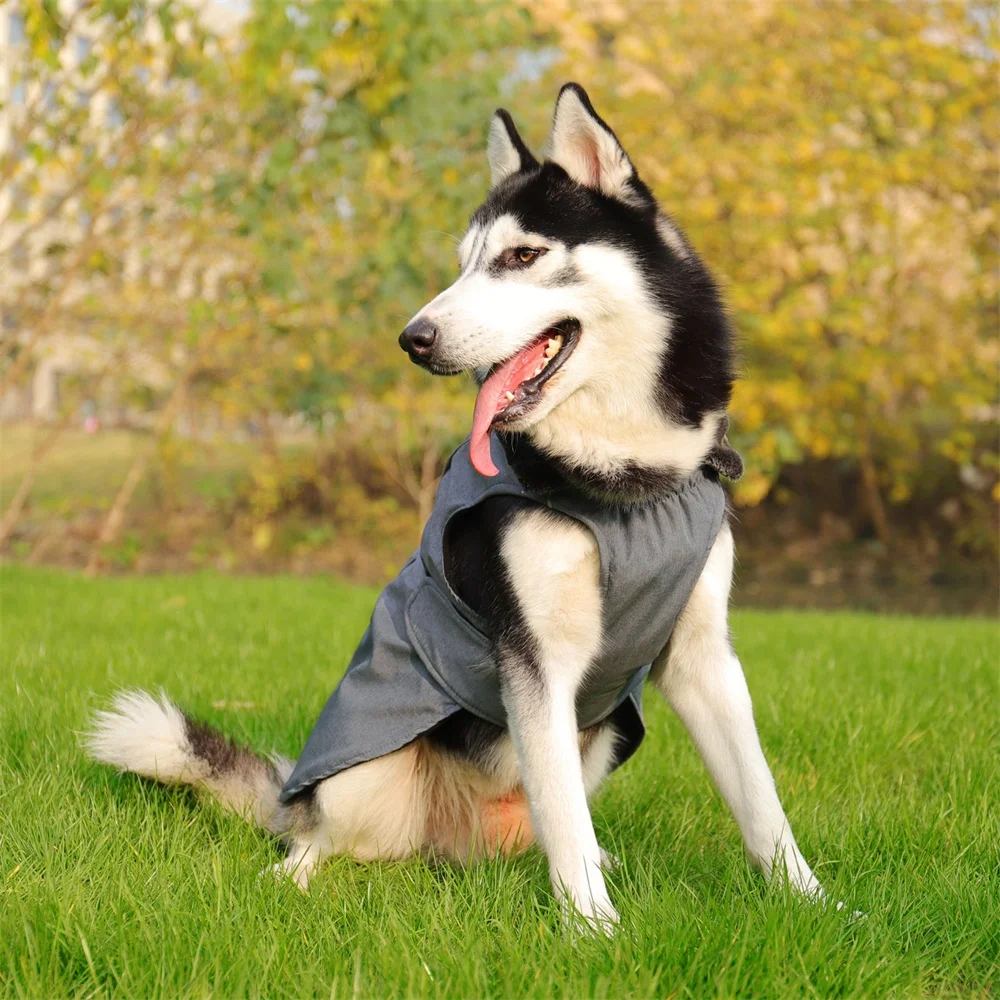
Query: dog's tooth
{"x": 510, "y": 395}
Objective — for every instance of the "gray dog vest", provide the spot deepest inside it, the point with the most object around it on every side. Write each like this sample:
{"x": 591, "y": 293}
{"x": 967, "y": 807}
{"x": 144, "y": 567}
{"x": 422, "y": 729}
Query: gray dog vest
{"x": 426, "y": 654}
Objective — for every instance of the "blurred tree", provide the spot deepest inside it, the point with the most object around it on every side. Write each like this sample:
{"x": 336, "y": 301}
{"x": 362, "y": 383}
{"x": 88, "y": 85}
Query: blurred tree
{"x": 242, "y": 216}
{"x": 110, "y": 111}
{"x": 256, "y": 213}
{"x": 837, "y": 163}
{"x": 358, "y": 213}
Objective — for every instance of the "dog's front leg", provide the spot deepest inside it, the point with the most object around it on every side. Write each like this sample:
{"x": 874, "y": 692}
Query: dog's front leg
{"x": 553, "y": 632}
{"x": 702, "y": 679}
{"x": 542, "y": 719}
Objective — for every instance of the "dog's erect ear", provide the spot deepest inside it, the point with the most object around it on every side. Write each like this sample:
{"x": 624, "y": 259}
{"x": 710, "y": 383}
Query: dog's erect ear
{"x": 505, "y": 149}
{"x": 585, "y": 147}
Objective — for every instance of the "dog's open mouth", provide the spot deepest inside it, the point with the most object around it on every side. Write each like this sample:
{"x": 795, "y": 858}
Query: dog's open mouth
{"x": 514, "y": 387}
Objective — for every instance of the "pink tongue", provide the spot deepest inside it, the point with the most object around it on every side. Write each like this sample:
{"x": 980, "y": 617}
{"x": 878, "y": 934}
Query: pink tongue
{"x": 493, "y": 398}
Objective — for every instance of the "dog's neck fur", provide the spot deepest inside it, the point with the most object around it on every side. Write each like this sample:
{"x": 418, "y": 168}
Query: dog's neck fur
{"x": 617, "y": 461}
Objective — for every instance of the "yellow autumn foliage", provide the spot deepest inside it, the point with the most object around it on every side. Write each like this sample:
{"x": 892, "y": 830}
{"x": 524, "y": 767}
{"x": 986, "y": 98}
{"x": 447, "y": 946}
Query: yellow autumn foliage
{"x": 836, "y": 165}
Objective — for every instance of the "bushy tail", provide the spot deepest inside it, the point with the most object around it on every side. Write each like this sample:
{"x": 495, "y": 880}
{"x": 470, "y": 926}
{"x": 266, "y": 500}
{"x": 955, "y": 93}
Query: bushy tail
{"x": 157, "y": 740}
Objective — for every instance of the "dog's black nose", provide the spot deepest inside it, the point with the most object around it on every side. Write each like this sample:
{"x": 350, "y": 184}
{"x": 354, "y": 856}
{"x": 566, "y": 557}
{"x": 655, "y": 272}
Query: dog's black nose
{"x": 418, "y": 338}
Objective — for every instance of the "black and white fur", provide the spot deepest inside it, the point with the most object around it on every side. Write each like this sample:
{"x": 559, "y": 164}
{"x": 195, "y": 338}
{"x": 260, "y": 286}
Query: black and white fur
{"x": 638, "y": 404}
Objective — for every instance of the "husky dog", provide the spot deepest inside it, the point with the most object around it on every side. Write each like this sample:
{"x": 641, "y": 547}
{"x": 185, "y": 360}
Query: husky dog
{"x": 604, "y": 359}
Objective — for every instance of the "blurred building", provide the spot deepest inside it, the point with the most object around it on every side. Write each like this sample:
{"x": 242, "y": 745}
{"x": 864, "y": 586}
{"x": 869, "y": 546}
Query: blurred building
{"x": 40, "y": 210}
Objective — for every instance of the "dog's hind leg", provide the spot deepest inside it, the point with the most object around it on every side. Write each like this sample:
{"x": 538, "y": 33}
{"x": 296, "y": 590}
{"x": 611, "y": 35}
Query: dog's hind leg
{"x": 372, "y": 811}
{"x": 703, "y": 681}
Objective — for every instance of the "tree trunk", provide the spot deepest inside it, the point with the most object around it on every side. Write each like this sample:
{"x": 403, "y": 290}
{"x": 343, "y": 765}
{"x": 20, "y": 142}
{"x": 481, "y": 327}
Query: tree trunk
{"x": 16, "y": 506}
{"x": 56, "y": 531}
{"x": 873, "y": 496}
{"x": 428, "y": 483}
{"x": 116, "y": 515}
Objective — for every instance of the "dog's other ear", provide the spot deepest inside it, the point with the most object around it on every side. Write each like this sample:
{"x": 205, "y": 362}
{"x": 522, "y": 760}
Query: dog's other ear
{"x": 505, "y": 149}
{"x": 583, "y": 145}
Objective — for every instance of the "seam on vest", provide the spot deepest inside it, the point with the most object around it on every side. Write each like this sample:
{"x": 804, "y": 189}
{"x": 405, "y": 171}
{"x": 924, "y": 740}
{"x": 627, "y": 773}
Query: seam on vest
{"x": 438, "y": 675}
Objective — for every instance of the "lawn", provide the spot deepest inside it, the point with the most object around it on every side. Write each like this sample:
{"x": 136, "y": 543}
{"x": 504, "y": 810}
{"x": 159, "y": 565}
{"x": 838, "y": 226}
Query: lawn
{"x": 884, "y": 736}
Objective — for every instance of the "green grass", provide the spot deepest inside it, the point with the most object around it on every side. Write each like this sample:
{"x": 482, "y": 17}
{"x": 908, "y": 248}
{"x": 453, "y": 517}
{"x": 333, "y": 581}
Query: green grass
{"x": 883, "y": 734}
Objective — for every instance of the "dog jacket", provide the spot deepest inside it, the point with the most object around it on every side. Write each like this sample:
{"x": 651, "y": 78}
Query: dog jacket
{"x": 426, "y": 654}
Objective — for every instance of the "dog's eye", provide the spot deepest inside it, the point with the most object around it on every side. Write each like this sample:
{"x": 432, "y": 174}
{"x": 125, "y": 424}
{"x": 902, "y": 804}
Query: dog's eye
{"x": 525, "y": 255}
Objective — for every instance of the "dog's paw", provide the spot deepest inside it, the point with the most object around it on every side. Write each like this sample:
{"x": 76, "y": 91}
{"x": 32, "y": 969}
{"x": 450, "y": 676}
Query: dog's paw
{"x": 853, "y": 916}
{"x": 588, "y": 913}
{"x": 599, "y": 921}
{"x": 288, "y": 871}
{"x": 609, "y": 861}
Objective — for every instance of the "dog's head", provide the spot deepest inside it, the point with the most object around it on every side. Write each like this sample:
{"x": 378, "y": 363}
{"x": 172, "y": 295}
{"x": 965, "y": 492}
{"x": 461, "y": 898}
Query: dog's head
{"x": 573, "y": 286}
